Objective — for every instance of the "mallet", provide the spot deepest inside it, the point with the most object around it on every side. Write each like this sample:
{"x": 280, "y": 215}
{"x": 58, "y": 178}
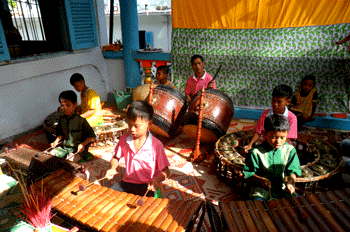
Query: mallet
{"x": 140, "y": 201}
{"x": 83, "y": 187}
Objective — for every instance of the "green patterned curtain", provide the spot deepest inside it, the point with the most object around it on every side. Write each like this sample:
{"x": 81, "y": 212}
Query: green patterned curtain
{"x": 256, "y": 60}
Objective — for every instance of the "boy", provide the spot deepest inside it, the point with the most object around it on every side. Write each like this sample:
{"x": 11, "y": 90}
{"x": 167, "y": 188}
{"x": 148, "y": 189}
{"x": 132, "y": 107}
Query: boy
{"x": 199, "y": 79}
{"x": 162, "y": 75}
{"x": 304, "y": 102}
{"x": 73, "y": 132}
{"x": 146, "y": 164}
{"x": 274, "y": 164}
{"x": 280, "y": 100}
{"x": 90, "y": 101}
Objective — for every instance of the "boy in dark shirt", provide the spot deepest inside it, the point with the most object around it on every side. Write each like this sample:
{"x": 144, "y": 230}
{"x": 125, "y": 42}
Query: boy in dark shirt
{"x": 74, "y": 134}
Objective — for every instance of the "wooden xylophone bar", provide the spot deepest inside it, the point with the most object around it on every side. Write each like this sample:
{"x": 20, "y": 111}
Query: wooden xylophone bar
{"x": 100, "y": 208}
{"x": 327, "y": 211}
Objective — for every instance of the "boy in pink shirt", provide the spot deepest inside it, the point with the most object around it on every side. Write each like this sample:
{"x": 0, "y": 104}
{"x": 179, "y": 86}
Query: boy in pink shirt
{"x": 146, "y": 164}
{"x": 199, "y": 79}
{"x": 281, "y": 97}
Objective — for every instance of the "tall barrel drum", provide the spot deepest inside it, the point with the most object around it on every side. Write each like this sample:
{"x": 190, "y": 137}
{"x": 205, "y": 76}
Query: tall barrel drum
{"x": 217, "y": 114}
{"x": 169, "y": 108}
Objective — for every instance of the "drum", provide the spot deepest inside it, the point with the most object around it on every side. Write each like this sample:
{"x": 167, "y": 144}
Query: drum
{"x": 97, "y": 208}
{"x": 169, "y": 107}
{"x": 217, "y": 114}
{"x": 141, "y": 92}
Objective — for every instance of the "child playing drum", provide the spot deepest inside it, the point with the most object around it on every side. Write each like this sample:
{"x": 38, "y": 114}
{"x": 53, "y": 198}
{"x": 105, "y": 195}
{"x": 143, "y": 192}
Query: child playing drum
{"x": 146, "y": 164}
{"x": 199, "y": 79}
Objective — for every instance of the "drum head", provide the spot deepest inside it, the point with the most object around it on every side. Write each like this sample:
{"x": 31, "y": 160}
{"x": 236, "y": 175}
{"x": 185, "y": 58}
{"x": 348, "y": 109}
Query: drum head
{"x": 218, "y": 93}
{"x": 172, "y": 91}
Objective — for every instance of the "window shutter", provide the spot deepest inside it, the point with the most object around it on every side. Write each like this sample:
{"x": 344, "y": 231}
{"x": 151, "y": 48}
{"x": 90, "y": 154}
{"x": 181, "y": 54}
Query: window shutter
{"x": 4, "y": 52}
{"x": 81, "y": 23}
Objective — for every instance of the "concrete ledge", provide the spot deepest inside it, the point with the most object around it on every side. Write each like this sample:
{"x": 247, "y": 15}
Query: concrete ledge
{"x": 323, "y": 122}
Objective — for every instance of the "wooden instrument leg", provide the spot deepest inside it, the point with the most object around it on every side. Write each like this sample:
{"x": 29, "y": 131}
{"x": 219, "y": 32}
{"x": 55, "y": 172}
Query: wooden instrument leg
{"x": 196, "y": 152}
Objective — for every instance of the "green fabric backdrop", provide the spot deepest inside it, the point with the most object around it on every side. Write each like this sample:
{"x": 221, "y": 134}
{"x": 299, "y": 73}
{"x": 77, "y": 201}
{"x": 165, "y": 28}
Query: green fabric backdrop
{"x": 257, "y": 60}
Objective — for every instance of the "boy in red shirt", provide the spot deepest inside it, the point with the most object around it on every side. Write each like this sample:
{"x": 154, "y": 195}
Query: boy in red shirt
{"x": 281, "y": 97}
{"x": 146, "y": 164}
{"x": 199, "y": 79}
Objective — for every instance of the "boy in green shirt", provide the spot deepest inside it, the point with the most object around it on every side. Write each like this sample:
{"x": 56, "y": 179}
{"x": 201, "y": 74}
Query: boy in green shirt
{"x": 74, "y": 134}
{"x": 274, "y": 164}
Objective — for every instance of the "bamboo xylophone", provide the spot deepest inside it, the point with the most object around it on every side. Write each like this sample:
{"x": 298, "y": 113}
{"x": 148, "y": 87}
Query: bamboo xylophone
{"x": 327, "y": 211}
{"x": 100, "y": 208}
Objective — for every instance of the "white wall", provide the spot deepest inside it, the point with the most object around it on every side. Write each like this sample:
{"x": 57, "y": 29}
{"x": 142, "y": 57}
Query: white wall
{"x": 29, "y": 89}
{"x": 160, "y": 25}
{"x": 115, "y": 71}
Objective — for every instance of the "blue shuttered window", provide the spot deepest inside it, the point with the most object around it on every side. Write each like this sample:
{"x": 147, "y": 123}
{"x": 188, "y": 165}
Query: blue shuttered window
{"x": 81, "y": 20}
{"x": 4, "y": 52}
{"x": 81, "y": 23}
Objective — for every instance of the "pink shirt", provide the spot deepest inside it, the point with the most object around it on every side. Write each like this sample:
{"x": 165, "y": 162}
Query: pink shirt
{"x": 293, "y": 133}
{"x": 193, "y": 85}
{"x": 144, "y": 165}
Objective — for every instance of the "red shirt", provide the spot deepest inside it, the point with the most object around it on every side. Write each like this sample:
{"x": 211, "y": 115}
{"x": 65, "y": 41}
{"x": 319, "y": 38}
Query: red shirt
{"x": 193, "y": 85}
{"x": 292, "y": 119}
{"x": 144, "y": 165}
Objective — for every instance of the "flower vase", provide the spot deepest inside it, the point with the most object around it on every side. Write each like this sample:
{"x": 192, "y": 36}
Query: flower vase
{"x": 47, "y": 228}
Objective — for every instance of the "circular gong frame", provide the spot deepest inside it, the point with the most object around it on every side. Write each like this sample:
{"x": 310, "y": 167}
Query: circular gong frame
{"x": 226, "y": 168}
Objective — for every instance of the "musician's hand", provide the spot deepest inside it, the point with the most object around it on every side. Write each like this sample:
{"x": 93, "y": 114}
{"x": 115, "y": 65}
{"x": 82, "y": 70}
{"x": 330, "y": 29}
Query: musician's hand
{"x": 247, "y": 148}
{"x": 290, "y": 188}
{"x": 210, "y": 85}
{"x": 80, "y": 148}
{"x": 290, "y": 181}
{"x": 111, "y": 173}
{"x": 154, "y": 185}
{"x": 54, "y": 144}
{"x": 266, "y": 183}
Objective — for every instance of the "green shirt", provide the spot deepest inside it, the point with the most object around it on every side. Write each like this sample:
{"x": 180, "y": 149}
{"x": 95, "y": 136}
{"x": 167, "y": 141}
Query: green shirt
{"x": 74, "y": 130}
{"x": 274, "y": 165}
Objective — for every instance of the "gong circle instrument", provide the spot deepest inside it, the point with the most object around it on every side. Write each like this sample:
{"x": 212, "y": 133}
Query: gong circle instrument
{"x": 169, "y": 107}
{"x": 98, "y": 208}
{"x": 217, "y": 114}
{"x": 318, "y": 159}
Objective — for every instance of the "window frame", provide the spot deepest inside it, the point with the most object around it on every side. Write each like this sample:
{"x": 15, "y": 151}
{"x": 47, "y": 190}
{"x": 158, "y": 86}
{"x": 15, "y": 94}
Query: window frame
{"x": 81, "y": 25}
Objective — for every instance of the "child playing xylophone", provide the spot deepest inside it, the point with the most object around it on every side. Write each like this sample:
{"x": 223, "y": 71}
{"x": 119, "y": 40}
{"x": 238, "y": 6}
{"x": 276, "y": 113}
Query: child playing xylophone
{"x": 74, "y": 134}
{"x": 274, "y": 164}
{"x": 146, "y": 164}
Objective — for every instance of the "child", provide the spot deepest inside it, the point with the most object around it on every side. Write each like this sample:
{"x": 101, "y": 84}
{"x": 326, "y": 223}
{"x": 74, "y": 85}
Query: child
{"x": 146, "y": 164}
{"x": 74, "y": 134}
{"x": 280, "y": 100}
{"x": 199, "y": 79}
{"x": 274, "y": 164}
{"x": 347, "y": 38}
{"x": 162, "y": 74}
{"x": 90, "y": 101}
{"x": 304, "y": 102}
